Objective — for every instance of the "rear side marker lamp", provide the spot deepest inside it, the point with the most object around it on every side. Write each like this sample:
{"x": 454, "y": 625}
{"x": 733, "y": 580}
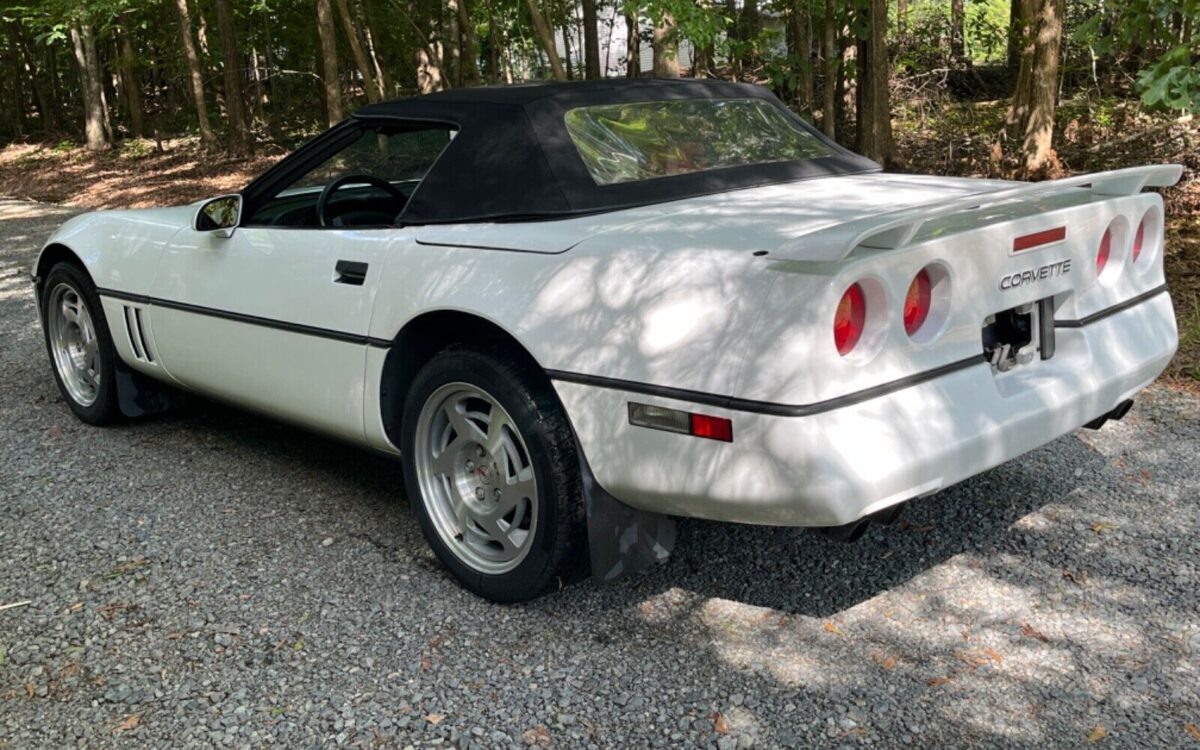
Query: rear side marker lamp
{"x": 681, "y": 422}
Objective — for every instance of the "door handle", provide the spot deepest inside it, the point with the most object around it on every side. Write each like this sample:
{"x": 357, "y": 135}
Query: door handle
{"x": 350, "y": 272}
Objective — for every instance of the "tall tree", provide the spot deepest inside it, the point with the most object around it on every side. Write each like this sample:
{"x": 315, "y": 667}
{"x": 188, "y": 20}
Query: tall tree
{"x": 958, "y": 31}
{"x": 666, "y": 48}
{"x": 800, "y": 47}
{"x": 129, "y": 79}
{"x": 84, "y": 43}
{"x": 194, "y": 75}
{"x": 546, "y": 39}
{"x": 591, "y": 41}
{"x": 235, "y": 106}
{"x": 358, "y": 52}
{"x": 1031, "y": 117}
{"x": 633, "y": 44}
{"x": 873, "y": 98}
{"x": 469, "y": 57}
{"x": 832, "y": 60}
{"x": 330, "y": 83}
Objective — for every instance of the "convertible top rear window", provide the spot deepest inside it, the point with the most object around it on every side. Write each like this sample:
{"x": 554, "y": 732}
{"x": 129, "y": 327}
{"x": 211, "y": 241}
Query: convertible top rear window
{"x": 651, "y": 139}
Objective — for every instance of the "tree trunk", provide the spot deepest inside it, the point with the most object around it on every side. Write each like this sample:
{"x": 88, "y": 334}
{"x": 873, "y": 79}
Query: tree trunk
{"x": 327, "y": 39}
{"x": 958, "y": 20}
{"x": 1016, "y": 33}
{"x": 874, "y": 100}
{"x": 360, "y": 55}
{"x": 1031, "y": 117}
{"x": 89, "y": 78}
{"x": 591, "y": 41}
{"x": 801, "y": 48}
{"x": 666, "y": 48}
{"x": 235, "y": 100}
{"x": 546, "y": 39}
{"x": 565, "y": 30}
{"x": 633, "y": 47}
{"x": 194, "y": 74}
{"x": 901, "y": 17}
{"x": 831, "y": 58}
{"x": 469, "y": 54}
{"x": 133, "y": 92}
{"x": 381, "y": 72}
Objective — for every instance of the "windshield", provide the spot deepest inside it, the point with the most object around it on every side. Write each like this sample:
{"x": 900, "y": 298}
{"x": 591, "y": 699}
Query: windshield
{"x": 647, "y": 140}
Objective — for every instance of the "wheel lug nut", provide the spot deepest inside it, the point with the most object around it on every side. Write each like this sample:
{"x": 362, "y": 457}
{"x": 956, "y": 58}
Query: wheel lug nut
{"x": 479, "y": 451}
{"x": 479, "y": 493}
{"x": 496, "y": 492}
{"x": 470, "y": 466}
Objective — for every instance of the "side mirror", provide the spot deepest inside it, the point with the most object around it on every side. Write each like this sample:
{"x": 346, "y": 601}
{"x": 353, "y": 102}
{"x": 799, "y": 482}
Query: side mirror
{"x": 220, "y": 215}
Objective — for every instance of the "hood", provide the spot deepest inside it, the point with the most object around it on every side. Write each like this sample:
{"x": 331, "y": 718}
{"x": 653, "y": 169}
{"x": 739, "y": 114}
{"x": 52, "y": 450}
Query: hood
{"x": 744, "y": 220}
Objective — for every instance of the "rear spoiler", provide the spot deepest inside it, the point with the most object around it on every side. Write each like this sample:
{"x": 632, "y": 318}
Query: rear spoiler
{"x": 895, "y": 229}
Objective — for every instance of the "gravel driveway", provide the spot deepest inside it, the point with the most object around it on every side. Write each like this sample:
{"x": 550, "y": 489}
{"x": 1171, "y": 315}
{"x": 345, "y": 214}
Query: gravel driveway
{"x": 213, "y": 578}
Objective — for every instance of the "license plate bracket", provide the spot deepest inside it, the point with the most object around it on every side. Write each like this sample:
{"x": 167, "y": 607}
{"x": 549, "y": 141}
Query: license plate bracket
{"x": 1018, "y": 335}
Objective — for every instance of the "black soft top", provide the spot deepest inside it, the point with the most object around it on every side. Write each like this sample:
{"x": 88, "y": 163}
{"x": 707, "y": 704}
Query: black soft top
{"x": 513, "y": 159}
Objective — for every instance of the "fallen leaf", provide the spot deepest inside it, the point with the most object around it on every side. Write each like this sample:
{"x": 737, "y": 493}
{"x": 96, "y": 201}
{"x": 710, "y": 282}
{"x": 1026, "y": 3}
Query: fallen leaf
{"x": 1100, "y": 527}
{"x": 131, "y": 722}
{"x": 833, "y": 628}
{"x": 720, "y": 724}
{"x": 1098, "y": 733}
{"x": 435, "y": 719}
{"x": 993, "y": 655}
{"x": 938, "y": 681}
{"x": 426, "y": 663}
{"x": 29, "y": 689}
{"x": 1029, "y": 632}
{"x": 1193, "y": 730}
{"x": 537, "y": 736}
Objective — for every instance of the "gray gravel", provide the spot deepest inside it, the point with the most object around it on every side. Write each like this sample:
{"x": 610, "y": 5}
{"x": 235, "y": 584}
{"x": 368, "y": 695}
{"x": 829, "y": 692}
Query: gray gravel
{"x": 216, "y": 579}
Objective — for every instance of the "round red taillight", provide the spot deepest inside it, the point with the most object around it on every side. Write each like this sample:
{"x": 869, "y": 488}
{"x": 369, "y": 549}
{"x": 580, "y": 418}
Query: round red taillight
{"x": 1105, "y": 250}
{"x": 1139, "y": 240}
{"x": 917, "y": 302}
{"x": 850, "y": 320}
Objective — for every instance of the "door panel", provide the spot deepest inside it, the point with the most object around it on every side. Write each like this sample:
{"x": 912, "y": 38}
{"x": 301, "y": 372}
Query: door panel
{"x": 267, "y": 320}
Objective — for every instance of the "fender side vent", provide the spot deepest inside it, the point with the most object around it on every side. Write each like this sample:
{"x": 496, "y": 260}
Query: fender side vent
{"x": 137, "y": 338}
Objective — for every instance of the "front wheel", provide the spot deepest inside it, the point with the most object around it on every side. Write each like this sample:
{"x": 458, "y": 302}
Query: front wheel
{"x": 81, "y": 350}
{"x": 492, "y": 470}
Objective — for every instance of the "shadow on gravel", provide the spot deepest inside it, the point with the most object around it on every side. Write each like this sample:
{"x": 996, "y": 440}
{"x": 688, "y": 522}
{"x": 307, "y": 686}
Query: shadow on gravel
{"x": 785, "y": 569}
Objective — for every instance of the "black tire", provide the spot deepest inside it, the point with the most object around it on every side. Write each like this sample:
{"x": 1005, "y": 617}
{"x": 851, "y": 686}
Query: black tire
{"x": 558, "y": 545}
{"x": 105, "y": 408}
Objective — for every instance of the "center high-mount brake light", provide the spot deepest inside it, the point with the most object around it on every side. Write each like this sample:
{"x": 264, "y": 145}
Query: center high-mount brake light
{"x": 850, "y": 319}
{"x": 917, "y": 302}
{"x": 681, "y": 422}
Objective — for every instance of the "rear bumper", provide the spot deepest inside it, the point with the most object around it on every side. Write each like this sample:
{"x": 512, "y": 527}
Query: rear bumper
{"x": 836, "y": 466}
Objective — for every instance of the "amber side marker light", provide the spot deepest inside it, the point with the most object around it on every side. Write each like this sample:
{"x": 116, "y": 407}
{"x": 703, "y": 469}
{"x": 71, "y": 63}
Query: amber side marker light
{"x": 681, "y": 422}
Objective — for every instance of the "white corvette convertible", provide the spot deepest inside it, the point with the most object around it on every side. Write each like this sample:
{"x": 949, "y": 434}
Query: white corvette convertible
{"x": 577, "y": 310}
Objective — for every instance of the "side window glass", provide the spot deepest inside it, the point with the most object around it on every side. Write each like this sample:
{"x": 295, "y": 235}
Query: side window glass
{"x": 391, "y": 160}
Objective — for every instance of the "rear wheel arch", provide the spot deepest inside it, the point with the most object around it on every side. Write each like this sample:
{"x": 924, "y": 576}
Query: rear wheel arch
{"x": 429, "y": 333}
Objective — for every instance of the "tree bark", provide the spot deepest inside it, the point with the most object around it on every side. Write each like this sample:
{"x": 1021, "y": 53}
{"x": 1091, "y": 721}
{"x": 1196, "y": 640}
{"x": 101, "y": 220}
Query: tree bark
{"x": 801, "y": 48}
{"x": 874, "y": 108}
{"x": 901, "y": 17}
{"x": 958, "y": 20}
{"x": 129, "y": 80}
{"x": 565, "y": 30}
{"x": 469, "y": 54}
{"x": 591, "y": 41}
{"x": 235, "y": 100}
{"x": 633, "y": 47}
{"x": 195, "y": 76}
{"x": 89, "y": 78}
{"x": 1031, "y": 117}
{"x": 1016, "y": 33}
{"x": 831, "y": 59}
{"x": 358, "y": 52}
{"x": 327, "y": 39}
{"x": 381, "y": 71}
{"x": 546, "y": 39}
{"x": 666, "y": 48}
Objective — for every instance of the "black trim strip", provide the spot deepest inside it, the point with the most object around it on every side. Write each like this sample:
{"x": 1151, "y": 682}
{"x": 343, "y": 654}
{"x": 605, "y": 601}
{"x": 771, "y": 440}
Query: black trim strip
{"x": 766, "y": 407}
{"x": 1106, "y": 312}
{"x": 280, "y": 325}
